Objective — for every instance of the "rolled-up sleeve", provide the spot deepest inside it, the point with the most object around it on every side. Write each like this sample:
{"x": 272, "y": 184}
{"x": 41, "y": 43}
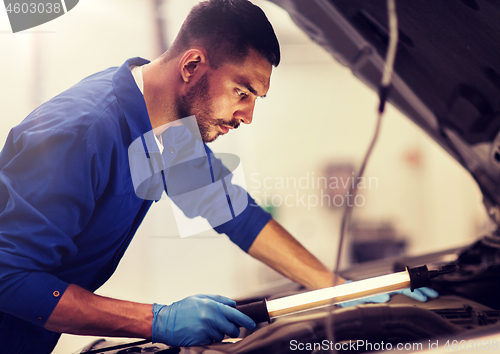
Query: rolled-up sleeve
{"x": 200, "y": 184}
{"x": 246, "y": 224}
{"x": 244, "y": 228}
{"x": 47, "y": 195}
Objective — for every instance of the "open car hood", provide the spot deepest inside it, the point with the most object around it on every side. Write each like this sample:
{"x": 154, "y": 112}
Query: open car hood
{"x": 447, "y": 70}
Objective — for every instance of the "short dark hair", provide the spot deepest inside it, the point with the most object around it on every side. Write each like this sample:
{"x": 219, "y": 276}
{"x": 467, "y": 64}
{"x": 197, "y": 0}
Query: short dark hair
{"x": 227, "y": 29}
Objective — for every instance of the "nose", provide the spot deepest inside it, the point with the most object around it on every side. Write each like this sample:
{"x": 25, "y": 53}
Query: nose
{"x": 245, "y": 114}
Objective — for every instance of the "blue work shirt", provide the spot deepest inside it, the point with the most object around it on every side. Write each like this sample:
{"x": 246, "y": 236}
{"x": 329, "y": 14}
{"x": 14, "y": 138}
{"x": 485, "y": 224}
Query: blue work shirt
{"x": 68, "y": 209}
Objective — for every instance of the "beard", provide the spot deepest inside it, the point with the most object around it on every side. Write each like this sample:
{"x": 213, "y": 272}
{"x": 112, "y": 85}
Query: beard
{"x": 197, "y": 102}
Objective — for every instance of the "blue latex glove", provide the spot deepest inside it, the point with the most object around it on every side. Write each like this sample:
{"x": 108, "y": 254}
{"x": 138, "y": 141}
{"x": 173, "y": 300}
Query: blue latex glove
{"x": 198, "y": 320}
{"x": 421, "y": 294}
{"x": 377, "y": 299}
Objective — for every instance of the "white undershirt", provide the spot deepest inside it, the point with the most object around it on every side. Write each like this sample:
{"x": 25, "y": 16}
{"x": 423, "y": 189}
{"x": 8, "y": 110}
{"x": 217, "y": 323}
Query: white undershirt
{"x": 137, "y": 74}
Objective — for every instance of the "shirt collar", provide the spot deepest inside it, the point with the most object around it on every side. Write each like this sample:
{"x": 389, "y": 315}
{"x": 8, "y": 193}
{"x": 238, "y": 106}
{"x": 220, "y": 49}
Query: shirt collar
{"x": 131, "y": 99}
{"x": 137, "y": 74}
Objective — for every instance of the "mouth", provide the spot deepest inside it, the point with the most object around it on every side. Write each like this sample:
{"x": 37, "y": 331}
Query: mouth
{"x": 224, "y": 129}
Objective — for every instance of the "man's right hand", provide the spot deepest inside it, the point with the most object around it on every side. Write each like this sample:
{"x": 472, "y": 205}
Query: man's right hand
{"x": 198, "y": 320}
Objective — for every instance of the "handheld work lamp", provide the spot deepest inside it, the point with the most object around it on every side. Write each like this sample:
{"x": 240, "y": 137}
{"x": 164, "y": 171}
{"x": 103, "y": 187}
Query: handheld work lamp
{"x": 413, "y": 278}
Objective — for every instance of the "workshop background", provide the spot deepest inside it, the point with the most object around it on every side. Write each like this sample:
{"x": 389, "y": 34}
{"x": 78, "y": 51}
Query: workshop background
{"x": 316, "y": 123}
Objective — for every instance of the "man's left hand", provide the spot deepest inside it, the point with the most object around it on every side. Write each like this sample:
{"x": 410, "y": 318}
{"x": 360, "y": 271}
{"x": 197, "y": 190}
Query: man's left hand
{"x": 421, "y": 294}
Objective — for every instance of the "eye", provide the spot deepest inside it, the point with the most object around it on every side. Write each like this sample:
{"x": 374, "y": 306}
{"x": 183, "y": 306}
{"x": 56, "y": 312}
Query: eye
{"x": 241, "y": 94}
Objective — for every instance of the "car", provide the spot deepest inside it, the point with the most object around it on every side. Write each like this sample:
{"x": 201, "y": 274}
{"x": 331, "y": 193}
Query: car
{"x": 447, "y": 81}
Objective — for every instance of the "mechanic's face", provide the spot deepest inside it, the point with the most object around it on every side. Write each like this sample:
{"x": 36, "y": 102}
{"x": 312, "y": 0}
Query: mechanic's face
{"x": 224, "y": 98}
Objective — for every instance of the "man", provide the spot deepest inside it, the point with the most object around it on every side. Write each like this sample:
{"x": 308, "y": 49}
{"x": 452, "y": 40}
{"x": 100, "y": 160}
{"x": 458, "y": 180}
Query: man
{"x": 69, "y": 204}
{"x": 68, "y": 208}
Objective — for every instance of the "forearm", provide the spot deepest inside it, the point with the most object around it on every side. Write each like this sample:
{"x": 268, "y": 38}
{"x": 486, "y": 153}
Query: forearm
{"x": 81, "y": 312}
{"x": 277, "y": 248}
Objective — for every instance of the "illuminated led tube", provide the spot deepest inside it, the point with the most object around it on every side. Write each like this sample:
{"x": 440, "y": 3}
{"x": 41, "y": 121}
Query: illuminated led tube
{"x": 413, "y": 278}
{"x": 337, "y": 294}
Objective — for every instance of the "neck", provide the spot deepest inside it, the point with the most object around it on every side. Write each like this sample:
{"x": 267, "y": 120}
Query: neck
{"x": 159, "y": 92}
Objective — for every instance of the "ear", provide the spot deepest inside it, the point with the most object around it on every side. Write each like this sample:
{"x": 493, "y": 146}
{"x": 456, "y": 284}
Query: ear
{"x": 193, "y": 64}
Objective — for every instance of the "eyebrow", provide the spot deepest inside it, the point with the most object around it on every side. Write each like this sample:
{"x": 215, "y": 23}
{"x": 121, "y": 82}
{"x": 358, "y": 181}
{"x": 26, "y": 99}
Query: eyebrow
{"x": 251, "y": 89}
